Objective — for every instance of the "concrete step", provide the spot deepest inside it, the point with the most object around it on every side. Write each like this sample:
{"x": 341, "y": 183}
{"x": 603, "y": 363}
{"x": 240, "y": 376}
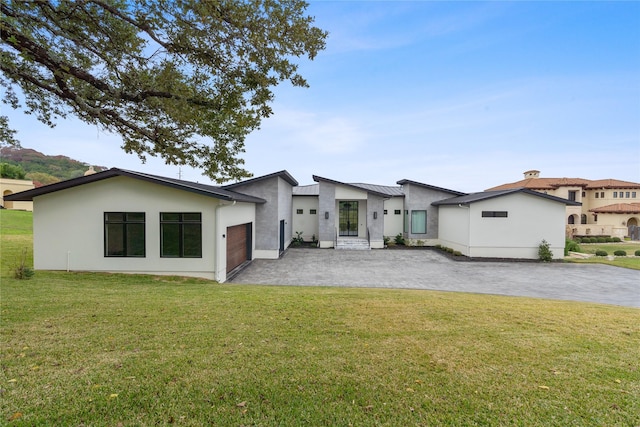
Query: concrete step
{"x": 353, "y": 244}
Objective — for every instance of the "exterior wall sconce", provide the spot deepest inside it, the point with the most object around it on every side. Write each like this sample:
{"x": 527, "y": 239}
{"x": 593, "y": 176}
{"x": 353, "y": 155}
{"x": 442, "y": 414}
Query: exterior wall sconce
{"x": 326, "y": 215}
{"x": 375, "y": 215}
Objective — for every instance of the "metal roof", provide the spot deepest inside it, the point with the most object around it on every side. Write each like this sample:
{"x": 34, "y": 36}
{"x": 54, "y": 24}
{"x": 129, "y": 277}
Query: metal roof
{"x": 194, "y": 187}
{"x": 486, "y": 195}
{"x": 281, "y": 174}
{"x": 307, "y": 190}
{"x": 431, "y": 187}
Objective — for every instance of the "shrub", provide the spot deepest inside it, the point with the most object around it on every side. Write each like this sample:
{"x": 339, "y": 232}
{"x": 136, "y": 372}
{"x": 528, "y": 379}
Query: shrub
{"x": 637, "y": 253}
{"x": 544, "y": 252}
{"x": 20, "y": 270}
{"x": 571, "y": 246}
{"x": 608, "y": 239}
{"x": 450, "y": 250}
{"x": 399, "y": 239}
{"x": 386, "y": 239}
{"x": 593, "y": 240}
{"x": 577, "y": 240}
{"x": 620, "y": 253}
{"x": 600, "y": 252}
{"x": 298, "y": 240}
{"x": 601, "y": 240}
{"x": 617, "y": 240}
{"x": 457, "y": 253}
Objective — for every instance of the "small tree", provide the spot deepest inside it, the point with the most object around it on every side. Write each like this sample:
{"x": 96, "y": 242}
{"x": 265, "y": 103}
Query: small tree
{"x": 544, "y": 252}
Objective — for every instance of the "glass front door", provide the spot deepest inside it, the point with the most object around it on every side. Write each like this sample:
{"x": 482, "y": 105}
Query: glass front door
{"x": 348, "y": 218}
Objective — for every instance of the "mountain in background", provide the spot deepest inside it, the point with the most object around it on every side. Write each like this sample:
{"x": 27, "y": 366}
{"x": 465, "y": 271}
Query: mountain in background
{"x": 43, "y": 169}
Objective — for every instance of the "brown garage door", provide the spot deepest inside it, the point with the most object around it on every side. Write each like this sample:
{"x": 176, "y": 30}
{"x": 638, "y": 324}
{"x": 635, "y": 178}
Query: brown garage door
{"x": 238, "y": 245}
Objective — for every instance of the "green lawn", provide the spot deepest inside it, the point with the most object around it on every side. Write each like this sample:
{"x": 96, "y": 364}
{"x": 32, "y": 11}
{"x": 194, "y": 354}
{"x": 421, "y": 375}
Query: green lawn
{"x": 109, "y": 349}
{"x": 625, "y": 262}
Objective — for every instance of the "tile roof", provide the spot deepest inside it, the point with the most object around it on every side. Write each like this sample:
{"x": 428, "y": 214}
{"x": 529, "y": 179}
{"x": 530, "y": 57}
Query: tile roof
{"x": 194, "y": 187}
{"x": 553, "y": 183}
{"x": 623, "y": 208}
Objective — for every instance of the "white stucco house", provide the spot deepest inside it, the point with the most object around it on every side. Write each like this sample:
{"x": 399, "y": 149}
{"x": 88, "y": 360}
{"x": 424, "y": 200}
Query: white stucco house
{"x": 125, "y": 221}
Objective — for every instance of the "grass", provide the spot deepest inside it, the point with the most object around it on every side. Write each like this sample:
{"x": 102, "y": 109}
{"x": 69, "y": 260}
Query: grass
{"x": 628, "y": 262}
{"x": 109, "y": 349}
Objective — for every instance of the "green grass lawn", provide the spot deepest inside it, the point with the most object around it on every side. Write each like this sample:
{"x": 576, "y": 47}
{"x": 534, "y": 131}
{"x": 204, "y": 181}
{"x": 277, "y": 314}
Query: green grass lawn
{"x": 610, "y": 248}
{"x": 109, "y": 349}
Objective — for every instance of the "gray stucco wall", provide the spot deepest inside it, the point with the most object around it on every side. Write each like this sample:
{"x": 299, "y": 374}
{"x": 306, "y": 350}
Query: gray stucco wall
{"x": 326, "y": 203}
{"x": 420, "y": 198}
{"x": 376, "y": 226}
{"x": 277, "y": 193}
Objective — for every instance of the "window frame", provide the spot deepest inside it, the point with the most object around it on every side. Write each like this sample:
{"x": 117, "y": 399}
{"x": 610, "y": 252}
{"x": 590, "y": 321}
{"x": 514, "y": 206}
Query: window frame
{"x": 299, "y": 211}
{"x": 415, "y": 220}
{"x": 313, "y": 212}
{"x": 495, "y": 214}
{"x": 127, "y": 233}
{"x": 182, "y": 224}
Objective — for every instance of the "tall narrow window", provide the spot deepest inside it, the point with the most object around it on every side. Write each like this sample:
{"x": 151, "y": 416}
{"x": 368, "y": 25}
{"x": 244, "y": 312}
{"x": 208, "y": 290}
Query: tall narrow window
{"x": 418, "y": 222}
{"x": 406, "y": 221}
{"x": 615, "y": 194}
{"x": 572, "y": 195}
{"x": 180, "y": 235}
{"x": 124, "y": 234}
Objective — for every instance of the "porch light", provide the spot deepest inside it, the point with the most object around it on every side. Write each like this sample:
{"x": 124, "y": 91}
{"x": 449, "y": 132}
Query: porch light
{"x": 375, "y": 215}
{"x": 326, "y": 215}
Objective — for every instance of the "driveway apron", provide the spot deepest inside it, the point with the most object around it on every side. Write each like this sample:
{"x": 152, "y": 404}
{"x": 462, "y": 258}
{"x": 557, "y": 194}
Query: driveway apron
{"x": 429, "y": 269}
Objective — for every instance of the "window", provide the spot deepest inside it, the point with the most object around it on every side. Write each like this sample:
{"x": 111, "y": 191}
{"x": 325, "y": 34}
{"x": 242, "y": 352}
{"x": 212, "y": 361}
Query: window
{"x": 597, "y": 194}
{"x": 418, "y": 222}
{"x": 584, "y": 194}
{"x": 385, "y": 211}
{"x": 602, "y": 195}
{"x": 313, "y": 211}
{"x": 396, "y": 212}
{"x": 572, "y": 195}
{"x": 626, "y": 195}
{"x": 583, "y": 219}
{"x": 180, "y": 235}
{"x": 124, "y": 234}
{"x": 406, "y": 222}
{"x": 633, "y": 194}
{"x": 299, "y": 211}
{"x": 494, "y": 214}
{"x": 615, "y": 194}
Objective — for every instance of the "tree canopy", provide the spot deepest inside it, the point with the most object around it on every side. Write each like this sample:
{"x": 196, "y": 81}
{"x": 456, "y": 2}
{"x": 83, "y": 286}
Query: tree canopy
{"x": 186, "y": 80}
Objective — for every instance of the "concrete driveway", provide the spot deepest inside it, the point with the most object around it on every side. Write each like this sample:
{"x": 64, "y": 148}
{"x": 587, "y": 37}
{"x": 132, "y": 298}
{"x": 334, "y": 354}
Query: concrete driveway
{"x": 429, "y": 269}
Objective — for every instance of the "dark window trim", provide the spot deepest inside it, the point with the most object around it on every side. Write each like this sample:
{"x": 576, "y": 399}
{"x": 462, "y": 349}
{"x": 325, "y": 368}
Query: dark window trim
{"x": 313, "y": 211}
{"x": 299, "y": 211}
{"x": 181, "y": 222}
{"x": 495, "y": 214}
{"x": 397, "y": 211}
{"x": 125, "y": 221}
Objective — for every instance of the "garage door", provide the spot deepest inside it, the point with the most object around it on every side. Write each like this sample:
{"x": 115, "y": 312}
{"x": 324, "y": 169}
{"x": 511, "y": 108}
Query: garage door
{"x": 238, "y": 245}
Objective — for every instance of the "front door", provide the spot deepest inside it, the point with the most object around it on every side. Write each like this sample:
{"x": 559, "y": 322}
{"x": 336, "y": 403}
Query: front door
{"x": 348, "y": 218}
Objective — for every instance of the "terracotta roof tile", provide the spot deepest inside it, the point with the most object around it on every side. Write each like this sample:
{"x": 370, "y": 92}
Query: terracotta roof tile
{"x": 624, "y": 208}
{"x": 553, "y": 183}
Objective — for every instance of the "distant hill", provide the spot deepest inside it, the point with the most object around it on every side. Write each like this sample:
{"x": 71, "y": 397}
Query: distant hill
{"x": 43, "y": 169}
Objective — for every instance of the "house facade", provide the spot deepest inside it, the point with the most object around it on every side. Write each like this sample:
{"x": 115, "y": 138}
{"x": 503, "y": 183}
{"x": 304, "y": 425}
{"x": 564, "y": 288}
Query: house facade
{"x": 11, "y": 186}
{"x": 126, "y": 221}
{"x": 609, "y": 207}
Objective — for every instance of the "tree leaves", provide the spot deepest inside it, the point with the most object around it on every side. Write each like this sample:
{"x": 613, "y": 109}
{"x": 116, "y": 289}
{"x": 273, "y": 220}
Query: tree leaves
{"x": 164, "y": 75}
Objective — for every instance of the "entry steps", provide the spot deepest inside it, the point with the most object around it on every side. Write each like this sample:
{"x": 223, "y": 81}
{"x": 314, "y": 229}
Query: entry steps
{"x": 352, "y": 244}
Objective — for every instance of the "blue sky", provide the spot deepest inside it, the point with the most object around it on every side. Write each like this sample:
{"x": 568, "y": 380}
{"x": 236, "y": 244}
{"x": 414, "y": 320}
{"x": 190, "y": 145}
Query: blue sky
{"x": 462, "y": 95}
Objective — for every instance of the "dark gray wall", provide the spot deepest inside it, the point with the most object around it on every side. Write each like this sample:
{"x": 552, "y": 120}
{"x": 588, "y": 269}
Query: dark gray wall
{"x": 327, "y": 203}
{"x": 420, "y": 198}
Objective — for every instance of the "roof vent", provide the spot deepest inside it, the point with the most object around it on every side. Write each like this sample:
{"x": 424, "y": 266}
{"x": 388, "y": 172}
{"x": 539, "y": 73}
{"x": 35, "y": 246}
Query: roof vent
{"x": 532, "y": 174}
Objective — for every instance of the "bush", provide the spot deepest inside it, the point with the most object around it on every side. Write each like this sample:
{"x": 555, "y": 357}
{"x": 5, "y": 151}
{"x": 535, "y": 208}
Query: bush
{"x": 571, "y": 246}
{"x": 457, "y": 253}
{"x": 593, "y": 240}
{"x": 600, "y": 252}
{"x": 637, "y": 253}
{"x": 617, "y": 240}
{"x": 608, "y": 239}
{"x": 577, "y": 240}
{"x": 20, "y": 270}
{"x": 544, "y": 252}
{"x": 620, "y": 253}
{"x": 386, "y": 240}
{"x": 601, "y": 240}
{"x": 399, "y": 239}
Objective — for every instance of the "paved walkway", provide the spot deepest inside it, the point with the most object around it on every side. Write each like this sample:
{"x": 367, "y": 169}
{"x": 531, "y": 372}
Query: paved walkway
{"x": 428, "y": 269}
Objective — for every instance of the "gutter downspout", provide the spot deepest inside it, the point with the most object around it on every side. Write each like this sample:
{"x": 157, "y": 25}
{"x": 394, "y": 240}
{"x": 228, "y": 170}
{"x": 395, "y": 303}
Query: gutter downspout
{"x": 220, "y": 236}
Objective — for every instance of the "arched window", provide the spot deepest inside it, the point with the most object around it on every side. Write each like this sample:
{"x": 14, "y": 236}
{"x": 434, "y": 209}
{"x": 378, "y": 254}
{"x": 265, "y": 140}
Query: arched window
{"x": 572, "y": 219}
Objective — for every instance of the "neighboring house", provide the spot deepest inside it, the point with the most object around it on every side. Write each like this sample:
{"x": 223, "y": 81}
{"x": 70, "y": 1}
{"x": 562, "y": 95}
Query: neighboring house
{"x": 11, "y": 186}
{"x": 503, "y": 224}
{"x": 609, "y": 207}
{"x": 125, "y": 221}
